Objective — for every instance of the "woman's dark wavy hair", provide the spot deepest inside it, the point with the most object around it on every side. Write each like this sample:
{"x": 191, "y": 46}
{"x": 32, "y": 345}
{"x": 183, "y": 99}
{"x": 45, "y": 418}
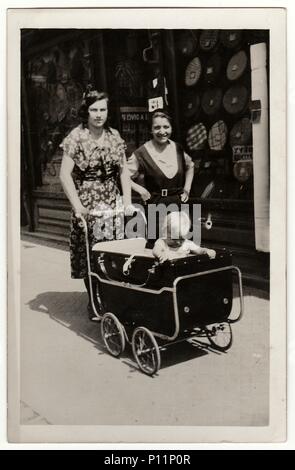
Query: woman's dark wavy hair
{"x": 91, "y": 96}
{"x": 162, "y": 113}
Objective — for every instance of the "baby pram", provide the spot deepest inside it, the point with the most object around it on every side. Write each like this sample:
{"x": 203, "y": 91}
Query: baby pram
{"x": 150, "y": 305}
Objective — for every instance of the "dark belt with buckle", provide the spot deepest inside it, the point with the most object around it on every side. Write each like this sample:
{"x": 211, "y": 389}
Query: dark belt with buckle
{"x": 168, "y": 192}
{"x": 92, "y": 176}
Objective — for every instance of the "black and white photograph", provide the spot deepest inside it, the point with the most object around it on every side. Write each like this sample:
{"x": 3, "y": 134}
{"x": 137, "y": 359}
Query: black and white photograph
{"x": 146, "y": 225}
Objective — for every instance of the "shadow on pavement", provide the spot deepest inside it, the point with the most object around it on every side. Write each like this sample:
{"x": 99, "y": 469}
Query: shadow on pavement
{"x": 70, "y": 310}
{"x": 179, "y": 353}
{"x": 173, "y": 354}
{"x": 249, "y": 291}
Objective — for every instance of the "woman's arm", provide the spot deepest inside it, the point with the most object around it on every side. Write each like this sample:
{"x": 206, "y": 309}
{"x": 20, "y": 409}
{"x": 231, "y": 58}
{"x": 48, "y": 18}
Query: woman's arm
{"x": 133, "y": 168}
{"x": 189, "y": 176}
{"x": 141, "y": 190}
{"x": 68, "y": 185}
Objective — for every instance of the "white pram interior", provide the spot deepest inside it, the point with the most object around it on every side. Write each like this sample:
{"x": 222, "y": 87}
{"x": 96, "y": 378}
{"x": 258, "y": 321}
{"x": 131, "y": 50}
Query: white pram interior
{"x": 128, "y": 246}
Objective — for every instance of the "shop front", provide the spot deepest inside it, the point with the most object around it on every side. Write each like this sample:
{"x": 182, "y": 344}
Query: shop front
{"x": 213, "y": 82}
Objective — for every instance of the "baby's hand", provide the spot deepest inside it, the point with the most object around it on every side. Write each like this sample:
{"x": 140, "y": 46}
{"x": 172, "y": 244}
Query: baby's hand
{"x": 211, "y": 253}
{"x": 163, "y": 257}
{"x": 160, "y": 251}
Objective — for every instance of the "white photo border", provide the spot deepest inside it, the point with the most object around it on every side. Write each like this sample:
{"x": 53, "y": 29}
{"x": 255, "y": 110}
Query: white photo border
{"x": 273, "y": 19}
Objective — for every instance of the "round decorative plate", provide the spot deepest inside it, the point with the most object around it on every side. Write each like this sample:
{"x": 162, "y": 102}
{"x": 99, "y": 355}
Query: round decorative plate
{"x": 186, "y": 42}
{"x": 193, "y": 72}
{"x": 196, "y": 136}
{"x": 243, "y": 171}
{"x": 217, "y": 135}
{"x": 241, "y": 133}
{"x": 231, "y": 38}
{"x": 211, "y": 101}
{"x": 237, "y": 65}
{"x": 208, "y": 39}
{"x": 236, "y": 99}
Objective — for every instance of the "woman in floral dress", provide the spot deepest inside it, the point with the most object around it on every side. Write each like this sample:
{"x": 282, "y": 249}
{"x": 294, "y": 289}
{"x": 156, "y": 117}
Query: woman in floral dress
{"x": 93, "y": 161}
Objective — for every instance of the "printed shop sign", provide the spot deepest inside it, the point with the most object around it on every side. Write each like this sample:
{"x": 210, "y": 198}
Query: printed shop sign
{"x": 133, "y": 114}
{"x": 242, "y": 152}
{"x": 134, "y": 126}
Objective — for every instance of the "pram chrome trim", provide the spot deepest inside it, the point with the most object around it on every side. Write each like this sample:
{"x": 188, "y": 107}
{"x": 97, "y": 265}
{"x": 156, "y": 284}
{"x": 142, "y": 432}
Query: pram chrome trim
{"x": 211, "y": 271}
{"x": 128, "y": 285}
{"x": 173, "y": 290}
{"x": 203, "y": 273}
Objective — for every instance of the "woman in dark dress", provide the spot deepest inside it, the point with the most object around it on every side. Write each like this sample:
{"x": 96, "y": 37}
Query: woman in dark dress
{"x": 166, "y": 169}
{"x": 94, "y": 157}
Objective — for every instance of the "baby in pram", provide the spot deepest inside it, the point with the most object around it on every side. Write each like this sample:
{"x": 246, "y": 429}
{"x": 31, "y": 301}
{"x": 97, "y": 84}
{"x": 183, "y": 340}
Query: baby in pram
{"x": 174, "y": 243}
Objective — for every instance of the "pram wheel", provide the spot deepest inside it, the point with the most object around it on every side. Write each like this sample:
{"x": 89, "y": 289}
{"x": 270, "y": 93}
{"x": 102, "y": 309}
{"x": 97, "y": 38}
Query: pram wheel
{"x": 113, "y": 334}
{"x": 146, "y": 350}
{"x": 220, "y": 335}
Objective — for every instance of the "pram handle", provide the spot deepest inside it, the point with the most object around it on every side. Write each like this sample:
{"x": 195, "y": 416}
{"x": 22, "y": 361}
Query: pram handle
{"x": 207, "y": 222}
{"x": 102, "y": 213}
{"x": 99, "y": 213}
{"x": 110, "y": 212}
{"x": 107, "y": 213}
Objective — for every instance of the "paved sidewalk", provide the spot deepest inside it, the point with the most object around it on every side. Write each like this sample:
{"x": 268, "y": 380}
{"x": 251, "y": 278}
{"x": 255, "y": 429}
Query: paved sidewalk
{"x": 67, "y": 377}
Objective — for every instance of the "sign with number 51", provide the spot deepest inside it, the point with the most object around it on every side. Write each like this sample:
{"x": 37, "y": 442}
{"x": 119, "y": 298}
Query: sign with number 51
{"x": 156, "y": 103}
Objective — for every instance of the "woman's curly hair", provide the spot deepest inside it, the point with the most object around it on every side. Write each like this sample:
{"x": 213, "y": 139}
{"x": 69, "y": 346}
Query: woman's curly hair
{"x": 89, "y": 97}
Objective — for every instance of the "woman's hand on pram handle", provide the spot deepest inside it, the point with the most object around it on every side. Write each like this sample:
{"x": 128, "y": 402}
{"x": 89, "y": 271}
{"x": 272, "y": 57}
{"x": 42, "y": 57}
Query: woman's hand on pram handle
{"x": 144, "y": 193}
{"x": 81, "y": 211}
{"x": 130, "y": 210}
{"x": 105, "y": 212}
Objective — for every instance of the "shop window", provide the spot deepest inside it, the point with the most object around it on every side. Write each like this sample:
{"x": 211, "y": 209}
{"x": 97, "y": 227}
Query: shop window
{"x": 214, "y": 95}
{"x": 55, "y": 82}
{"x": 134, "y": 74}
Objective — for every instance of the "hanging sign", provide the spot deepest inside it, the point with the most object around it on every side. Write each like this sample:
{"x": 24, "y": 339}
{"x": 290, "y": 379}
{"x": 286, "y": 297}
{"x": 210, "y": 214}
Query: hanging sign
{"x": 242, "y": 152}
{"x": 156, "y": 103}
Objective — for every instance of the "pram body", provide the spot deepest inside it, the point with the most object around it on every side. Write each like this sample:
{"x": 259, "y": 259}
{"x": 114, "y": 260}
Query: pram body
{"x": 147, "y": 303}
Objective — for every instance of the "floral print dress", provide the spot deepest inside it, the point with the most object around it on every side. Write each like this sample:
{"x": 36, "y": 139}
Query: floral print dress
{"x": 96, "y": 172}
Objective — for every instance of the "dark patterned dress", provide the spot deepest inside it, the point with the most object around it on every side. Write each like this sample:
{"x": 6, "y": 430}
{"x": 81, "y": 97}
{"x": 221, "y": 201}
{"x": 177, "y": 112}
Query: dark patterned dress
{"x": 96, "y": 175}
